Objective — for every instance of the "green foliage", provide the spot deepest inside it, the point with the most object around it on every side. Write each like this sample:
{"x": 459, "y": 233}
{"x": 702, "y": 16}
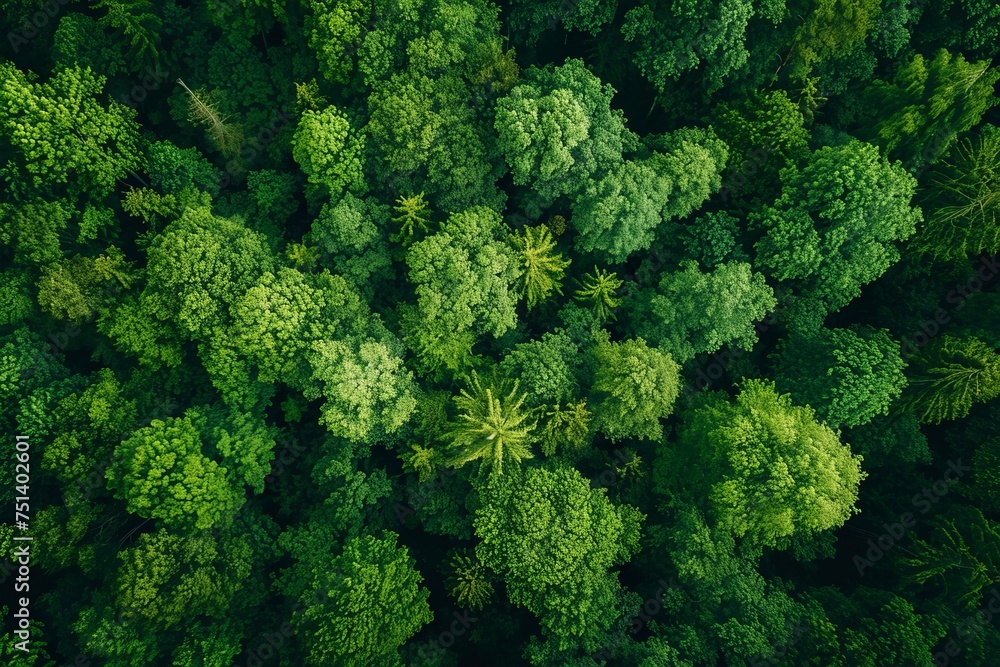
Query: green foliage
{"x": 962, "y": 202}
{"x": 77, "y": 287}
{"x": 833, "y": 28}
{"x": 329, "y": 151}
{"x": 351, "y": 237}
{"x": 618, "y": 213}
{"x": 60, "y": 134}
{"x": 553, "y": 539}
{"x": 412, "y": 216}
{"x": 765, "y": 133}
{"x": 470, "y": 582}
{"x": 929, "y": 104}
{"x": 368, "y": 392}
{"x": 165, "y": 578}
{"x": 545, "y": 368}
{"x": 634, "y": 387}
{"x": 565, "y": 428}
{"x": 833, "y": 228}
{"x": 848, "y": 376}
{"x": 692, "y": 311}
{"x": 492, "y": 426}
{"x": 465, "y": 279}
{"x": 363, "y": 604}
{"x": 557, "y": 129}
{"x": 203, "y": 109}
{"x": 712, "y": 238}
{"x": 138, "y": 25}
{"x": 672, "y": 39}
{"x": 766, "y": 468}
{"x": 949, "y": 376}
{"x": 172, "y": 169}
{"x": 600, "y": 288}
{"x": 543, "y": 268}
{"x": 251, "y": 325}
{"x": 80, "y": 40}
{"x": 162, "y": 473}
{"x": 960, "y": 561}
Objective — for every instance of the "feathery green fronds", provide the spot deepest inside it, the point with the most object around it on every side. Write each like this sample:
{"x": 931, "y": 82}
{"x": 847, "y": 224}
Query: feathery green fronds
{"x": 599, "y": 288}
{"x": 493, "y": 427}
{"x": 543, "y": 268}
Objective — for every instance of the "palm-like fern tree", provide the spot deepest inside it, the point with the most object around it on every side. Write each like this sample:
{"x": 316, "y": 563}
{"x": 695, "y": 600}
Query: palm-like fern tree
{"x": 599, "y": 289}
{"x": 543, "y": 268}
{"x": 492, "y": 427}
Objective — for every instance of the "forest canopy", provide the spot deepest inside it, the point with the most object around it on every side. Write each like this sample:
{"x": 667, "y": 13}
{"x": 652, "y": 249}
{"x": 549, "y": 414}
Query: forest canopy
{"x": 466, "y": 333}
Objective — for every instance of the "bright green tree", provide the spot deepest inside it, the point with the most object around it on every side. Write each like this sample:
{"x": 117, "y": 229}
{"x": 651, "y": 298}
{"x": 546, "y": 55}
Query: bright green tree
{"x": 634, "y": 387}
{"x": 691, "y": 311}
{"x": 330, "y": 151}
{"x": 466, "y": 285}
{"x": 835, "y": 225}
{"x": 493, "y": 426}
{"x": 362, "y": 605}
{"x": 763, "y": 468}
{"x": 542, "y": 267}
{"x": 162, "y": 473}
{"x": 59, "y": 133}
{"x": 553, "y": 539}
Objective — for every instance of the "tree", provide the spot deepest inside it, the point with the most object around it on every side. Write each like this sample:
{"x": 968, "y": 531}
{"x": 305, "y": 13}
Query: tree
{"x": 367, "y": 390}
{"x": 352, "y": 239}
{"x": 565, "y": 428}
{"x": 557, "y": 129}
{"x": 362, "y": 605}
{"x": 426, "y": 136}
{"x": 470, "y": 582}
{"x": 199, "y": 267}
{"x": 765, "y": 133}
{"x": 833, "y": 28}
{"x": 542, "y": 268}
{"x": 692, "y": 311}
{"x": 848, "y": 376}
{"x": 949, "y": 375}
{"x": 330, "y": 151}
{"x": 203, "y": 109}
{"x": 465, "y": 277}
{"x": 600, "y": 288}
{"x": 762, "y": 468}
{"x": 634, "y": 387}
{"x": 165, "y": 578}
{"x": 670, "y": 40}
{"x": 534, "y": 18}
{"x": 60, "y": 135}
{"x": 712, "y": 238}
{"x": 919, "y": 115}
{"x": 138, "y": 24}
{"x": 546, "y": 368}
{"x": 870, "y": 626}
{"x": 617, "y": 213}
{"x": 172, "y": 169}
{"x": 833, "y": 228}
{"x": 162, "y": 473}
{"x": 34, "y": 229}
{"x": 961, "y": 559}
{"x": 412, "y": 216}
{"x": 492, "y": 426}
{"x": 962, "y": 202}
{"x": 78, "y": 287}
{"x": 553, "y": 539}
